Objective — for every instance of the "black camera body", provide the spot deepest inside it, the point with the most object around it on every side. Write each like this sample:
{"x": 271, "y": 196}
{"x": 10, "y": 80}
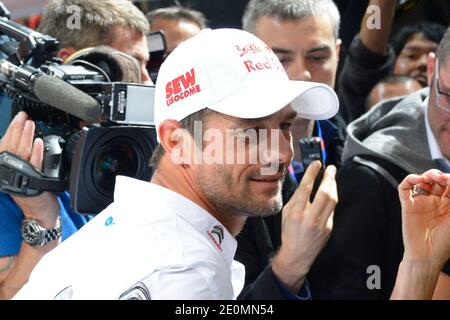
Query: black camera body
{"x": 119, "y": 136}
{"x": 121, "y": 103}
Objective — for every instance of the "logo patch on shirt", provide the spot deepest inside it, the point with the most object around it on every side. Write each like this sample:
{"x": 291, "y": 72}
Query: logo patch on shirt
{"x": 137, "y": 292}
{"x": 217, "y": 235}
{"x": 109, "y": 221}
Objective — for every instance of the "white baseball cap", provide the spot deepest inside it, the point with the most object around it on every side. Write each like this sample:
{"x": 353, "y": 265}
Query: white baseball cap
{"x": 233, "y": 72}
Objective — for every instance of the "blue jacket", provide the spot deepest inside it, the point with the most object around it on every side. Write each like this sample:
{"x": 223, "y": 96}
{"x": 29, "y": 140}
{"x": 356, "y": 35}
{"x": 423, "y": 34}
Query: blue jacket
{"x": 11, "y": 217}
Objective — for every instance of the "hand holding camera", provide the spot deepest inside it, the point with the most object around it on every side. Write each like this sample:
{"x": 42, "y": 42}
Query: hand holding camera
{"x": 18, "y": 141}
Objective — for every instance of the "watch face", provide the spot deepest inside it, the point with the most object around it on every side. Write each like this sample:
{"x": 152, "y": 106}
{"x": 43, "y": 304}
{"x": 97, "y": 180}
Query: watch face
{"x": 31, "y": 233}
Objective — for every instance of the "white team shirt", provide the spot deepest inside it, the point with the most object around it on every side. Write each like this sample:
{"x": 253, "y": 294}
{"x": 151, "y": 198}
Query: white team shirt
{"x": 151, "y": 243}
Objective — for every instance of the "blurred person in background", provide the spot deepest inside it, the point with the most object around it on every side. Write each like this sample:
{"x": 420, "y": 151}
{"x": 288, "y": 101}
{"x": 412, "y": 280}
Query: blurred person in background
{"x": 177, "y": 23}
{"x": 412, "y": 44}
{"x": 371, "y": 56}
{"x": 115, "y": 23}
{"x": 392, "y": 87}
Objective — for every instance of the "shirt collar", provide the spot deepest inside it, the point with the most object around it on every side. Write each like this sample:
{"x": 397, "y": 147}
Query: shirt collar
{"x": 435, "y": 151}
{"x": 129, "y": 189}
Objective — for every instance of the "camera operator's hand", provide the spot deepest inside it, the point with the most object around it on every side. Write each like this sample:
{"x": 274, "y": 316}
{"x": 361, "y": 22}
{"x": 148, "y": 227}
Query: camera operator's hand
{"x": 305, "y": 227}
{"x": 18, "y": 140}
{"x": 425, "y": 201}
{"x": 44, "y": 208}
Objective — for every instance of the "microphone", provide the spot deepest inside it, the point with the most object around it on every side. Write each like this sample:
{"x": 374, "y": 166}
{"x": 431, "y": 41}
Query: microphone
{"x": 115, "y": 65}
{"x": 65, "y": 97}
{"x": 53, "y": 91}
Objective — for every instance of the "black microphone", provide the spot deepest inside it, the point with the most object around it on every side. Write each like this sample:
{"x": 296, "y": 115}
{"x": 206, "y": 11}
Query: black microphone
{"x": 112, "y": 65}
{"x": 53, "y": 91}
{"x": 65, "y": 97}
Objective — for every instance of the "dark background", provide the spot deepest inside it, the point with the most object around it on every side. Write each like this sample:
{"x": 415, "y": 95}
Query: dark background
{"x": 228, "y": 13}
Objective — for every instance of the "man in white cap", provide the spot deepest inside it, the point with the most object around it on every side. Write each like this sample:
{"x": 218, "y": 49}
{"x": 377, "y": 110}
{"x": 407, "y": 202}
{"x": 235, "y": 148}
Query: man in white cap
{"x": 173, "y": 238}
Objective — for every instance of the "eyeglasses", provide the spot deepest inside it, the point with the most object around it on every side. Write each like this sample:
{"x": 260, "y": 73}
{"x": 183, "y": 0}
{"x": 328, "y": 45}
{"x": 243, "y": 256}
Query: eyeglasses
{"x": 442, "y": 99}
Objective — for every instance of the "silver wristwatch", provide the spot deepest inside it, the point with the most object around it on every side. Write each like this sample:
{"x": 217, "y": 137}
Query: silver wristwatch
{"x": 36, "y": 235}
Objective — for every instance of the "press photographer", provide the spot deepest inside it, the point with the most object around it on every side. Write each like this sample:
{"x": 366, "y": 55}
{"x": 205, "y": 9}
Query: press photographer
{"x": 118, "y": 24}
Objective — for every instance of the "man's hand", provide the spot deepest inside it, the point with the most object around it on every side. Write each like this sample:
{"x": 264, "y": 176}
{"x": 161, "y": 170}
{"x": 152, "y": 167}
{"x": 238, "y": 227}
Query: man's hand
{"x": 426, "y": 218}
{"x": 305, "y": 227}
{"x": 44, "y": 208}
{"x": 426, "y": 233}
{"x": 18, "y": 140}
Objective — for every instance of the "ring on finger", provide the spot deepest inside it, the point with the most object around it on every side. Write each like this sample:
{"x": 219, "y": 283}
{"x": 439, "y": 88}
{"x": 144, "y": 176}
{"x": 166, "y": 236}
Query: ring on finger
{"x": 417, "y": 191}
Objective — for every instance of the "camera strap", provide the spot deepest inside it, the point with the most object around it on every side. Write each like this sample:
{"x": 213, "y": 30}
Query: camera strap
{"x": 18, "y": 177}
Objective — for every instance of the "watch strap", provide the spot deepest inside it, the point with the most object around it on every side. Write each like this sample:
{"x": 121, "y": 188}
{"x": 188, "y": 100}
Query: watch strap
{"x": 54, "y": 233}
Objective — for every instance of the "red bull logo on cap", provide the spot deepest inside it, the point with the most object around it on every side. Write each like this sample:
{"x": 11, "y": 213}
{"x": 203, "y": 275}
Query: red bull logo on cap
{"x": 262, "y": 58}
{"x": 252, "y": 48}
{"x": 181, "y": 87}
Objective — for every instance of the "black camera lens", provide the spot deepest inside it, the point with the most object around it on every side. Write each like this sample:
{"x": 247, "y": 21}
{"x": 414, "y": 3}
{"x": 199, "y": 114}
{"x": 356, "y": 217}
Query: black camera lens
{"x": 101, "y": 154}
{"x": 118, "y": 157}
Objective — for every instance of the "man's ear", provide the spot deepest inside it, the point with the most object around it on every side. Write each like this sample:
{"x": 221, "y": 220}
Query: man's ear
{"x": 167, "y": 136}
{"x": 64, "y": 53}
{"x": 176, "y": 141}
{"x": 338, "y": 48}
{"x": 431, "y": 67}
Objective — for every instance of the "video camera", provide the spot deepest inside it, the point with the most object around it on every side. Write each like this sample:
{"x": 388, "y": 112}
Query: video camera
{"x": 119, "y": 139}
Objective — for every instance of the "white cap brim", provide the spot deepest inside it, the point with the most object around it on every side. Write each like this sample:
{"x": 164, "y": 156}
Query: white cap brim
{"x": 310, "y": 100}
